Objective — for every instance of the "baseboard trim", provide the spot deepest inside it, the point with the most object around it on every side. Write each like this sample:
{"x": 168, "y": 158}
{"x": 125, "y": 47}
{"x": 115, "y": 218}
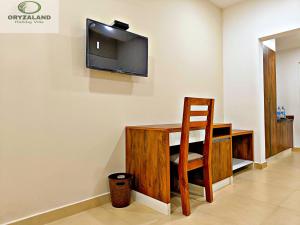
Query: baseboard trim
{"x": 260, "y": 166}
{"x": 63, "y": 211}
{"x": 216, "y": 186}
{"x": 296, "y": 149}
{"x": 164, "y": 208}
{"x": 223, "y": 183}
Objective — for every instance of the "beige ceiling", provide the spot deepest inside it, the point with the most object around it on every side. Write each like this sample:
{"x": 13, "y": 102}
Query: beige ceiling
{"x": 225, "y": 3}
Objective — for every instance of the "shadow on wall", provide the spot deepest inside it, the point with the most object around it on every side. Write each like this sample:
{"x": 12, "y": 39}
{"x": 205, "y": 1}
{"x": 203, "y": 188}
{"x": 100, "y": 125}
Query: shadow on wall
{"x": 110, "y": 83}
{"x": 121, "y": 84}
{"x": 116, "y": 163}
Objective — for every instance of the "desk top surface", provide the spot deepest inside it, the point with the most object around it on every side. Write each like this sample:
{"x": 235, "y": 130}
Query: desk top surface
{"x": 173, "y": 127}
{"x": 241, "y": 132}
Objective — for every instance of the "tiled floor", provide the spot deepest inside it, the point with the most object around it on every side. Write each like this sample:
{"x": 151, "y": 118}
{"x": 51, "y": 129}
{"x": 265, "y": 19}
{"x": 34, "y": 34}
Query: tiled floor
{"x": 257, "y": 197}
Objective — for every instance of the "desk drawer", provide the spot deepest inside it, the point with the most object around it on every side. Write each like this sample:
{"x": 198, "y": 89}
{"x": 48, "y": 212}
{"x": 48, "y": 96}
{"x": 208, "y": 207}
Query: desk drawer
{"x": 221, "y": 159}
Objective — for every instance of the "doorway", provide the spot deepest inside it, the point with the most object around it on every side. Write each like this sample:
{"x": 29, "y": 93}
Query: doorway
{"x": 281, "y": 76}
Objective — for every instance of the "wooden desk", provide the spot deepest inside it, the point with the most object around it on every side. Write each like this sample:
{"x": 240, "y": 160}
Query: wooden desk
{"x": 148, "y": 156}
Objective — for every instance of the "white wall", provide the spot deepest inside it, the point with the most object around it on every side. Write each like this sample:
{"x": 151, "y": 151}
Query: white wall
{"x": 62, "y": 125}
{"x": 288, "y": 86}
{"x": 243, "y": 25}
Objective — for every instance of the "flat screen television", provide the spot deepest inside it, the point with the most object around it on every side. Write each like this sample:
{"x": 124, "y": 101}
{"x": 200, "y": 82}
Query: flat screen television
{"x": 113, "y": 49}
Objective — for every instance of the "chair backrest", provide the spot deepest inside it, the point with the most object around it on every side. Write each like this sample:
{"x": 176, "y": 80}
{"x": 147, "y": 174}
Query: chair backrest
{"x": 197, "y": 113}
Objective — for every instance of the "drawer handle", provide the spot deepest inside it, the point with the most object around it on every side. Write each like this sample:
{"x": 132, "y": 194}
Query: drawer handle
{"x": 220, "y": 140}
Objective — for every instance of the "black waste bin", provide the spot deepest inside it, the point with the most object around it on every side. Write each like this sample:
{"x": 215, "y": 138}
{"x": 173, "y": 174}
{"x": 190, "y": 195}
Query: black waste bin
{"x": 120, "y": 189}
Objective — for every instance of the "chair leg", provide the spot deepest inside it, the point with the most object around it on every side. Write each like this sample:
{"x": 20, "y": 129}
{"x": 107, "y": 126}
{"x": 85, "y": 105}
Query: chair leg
{"x": 208, "y": 184}
{"x": 184, "y": 192}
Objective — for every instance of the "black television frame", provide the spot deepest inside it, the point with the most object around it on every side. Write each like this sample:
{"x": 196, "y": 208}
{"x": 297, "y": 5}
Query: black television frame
{"x": 88, "y": 23}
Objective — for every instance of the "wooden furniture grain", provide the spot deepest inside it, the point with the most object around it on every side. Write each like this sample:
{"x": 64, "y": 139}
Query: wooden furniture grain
{"x": 242, "y": 148}
{"x": 186, "y": 160}
{"x": 270, "y": 103}
{"x": 148, "y": 160}
{"x": 222, "y": 153}
{"x": 284, "y": 135}
{"x": 148, "y": 150}
{"x": 278, "y": 133}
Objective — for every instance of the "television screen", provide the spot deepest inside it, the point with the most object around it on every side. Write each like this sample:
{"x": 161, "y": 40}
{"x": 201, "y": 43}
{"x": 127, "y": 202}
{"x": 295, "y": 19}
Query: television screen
{"x": 113, "y": 49}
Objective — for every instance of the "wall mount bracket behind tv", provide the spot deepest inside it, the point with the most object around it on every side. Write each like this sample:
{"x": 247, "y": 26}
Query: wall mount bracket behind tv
{"x": 120, "y": 25}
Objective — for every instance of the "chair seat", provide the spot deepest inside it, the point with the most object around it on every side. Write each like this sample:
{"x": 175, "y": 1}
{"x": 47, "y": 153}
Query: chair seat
{"x": 192, "y": 156}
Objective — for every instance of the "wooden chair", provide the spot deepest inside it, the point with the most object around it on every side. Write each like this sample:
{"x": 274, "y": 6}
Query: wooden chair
{"x": 186, "y": 161}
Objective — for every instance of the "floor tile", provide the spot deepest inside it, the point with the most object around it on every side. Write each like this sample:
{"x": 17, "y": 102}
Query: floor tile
{"x": 292, "y": 202}
{"x": 238, "y": 209}
{"x": 257, "y": 197}
{"x": 271, "y": 177}
{"x": 283, "y": 216}
{"x": 135, "y": 214}
{"x": 96, "y": 216}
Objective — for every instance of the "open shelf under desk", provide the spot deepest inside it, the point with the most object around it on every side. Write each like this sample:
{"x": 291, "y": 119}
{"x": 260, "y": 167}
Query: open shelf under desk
{"x": 239, "y": 163}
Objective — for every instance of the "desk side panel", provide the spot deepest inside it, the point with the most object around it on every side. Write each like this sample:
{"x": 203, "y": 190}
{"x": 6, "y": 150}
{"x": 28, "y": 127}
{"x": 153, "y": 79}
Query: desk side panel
{"x": 148, "y": 160}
